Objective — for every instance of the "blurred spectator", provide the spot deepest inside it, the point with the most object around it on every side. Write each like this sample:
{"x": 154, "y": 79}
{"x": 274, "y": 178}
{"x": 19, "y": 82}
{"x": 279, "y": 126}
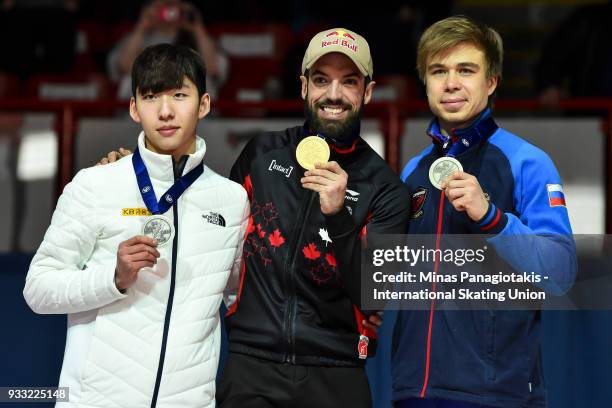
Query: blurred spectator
{"x": 576, "y": 60}
{"x": 395, "y": 29}
{"x": 37, "y": 36}
{"x": 66, "y": 4}
{"x": 167, "y": 21}
{"x": 394, "y": 26}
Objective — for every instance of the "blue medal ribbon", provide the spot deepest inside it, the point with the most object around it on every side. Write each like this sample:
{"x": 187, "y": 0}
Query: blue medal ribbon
{"x": 462, "y": 139}
{"x": 169, "y": 197}
{"x": 306, "y": 132}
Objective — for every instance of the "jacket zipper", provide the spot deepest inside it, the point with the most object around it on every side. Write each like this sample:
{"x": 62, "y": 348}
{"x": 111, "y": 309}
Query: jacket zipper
{"x": 162, "y": 354}
{"x": 290, "y": 314}
{"x": 433, "y": 289}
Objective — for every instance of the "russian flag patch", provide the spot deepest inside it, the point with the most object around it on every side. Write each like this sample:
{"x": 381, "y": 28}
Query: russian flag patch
{"x": 556, "y": 198}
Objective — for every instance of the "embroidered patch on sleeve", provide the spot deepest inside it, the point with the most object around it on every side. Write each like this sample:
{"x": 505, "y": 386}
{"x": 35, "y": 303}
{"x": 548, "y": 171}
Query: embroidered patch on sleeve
{"x": 556, "y": 197}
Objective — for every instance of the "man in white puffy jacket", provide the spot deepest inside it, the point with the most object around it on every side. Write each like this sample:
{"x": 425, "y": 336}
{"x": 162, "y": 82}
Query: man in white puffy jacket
{"x": 141, "y": 252}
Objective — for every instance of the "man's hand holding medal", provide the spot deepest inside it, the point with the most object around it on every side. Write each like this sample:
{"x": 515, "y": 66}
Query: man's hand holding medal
{"x": 132, "y": 255}
{"x": 326, "y": 178}
{"x": 462, "y": 189}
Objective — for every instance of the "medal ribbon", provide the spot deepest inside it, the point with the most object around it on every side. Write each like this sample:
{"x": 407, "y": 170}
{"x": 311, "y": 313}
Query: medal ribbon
{"x": 169, "y": 197}
{"x": 463, "y": 139}
{"x": 306, "y": 132}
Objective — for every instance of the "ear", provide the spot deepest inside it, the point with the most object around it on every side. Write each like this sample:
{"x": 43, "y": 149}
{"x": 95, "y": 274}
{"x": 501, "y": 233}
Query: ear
{"x": 204, "y": 107}
{"x": 133, "y": 111}
{"x": 304, "y": 90}
{"x": 367, "y": 96}
{"x": 492, "y": 84}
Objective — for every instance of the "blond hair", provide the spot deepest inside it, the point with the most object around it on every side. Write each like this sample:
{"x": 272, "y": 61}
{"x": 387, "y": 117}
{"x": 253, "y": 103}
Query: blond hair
{"x": 455, "y": 30}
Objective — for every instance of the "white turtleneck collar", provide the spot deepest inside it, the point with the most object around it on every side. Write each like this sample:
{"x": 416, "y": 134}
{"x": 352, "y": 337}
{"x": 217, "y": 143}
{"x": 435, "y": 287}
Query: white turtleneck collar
{"x": 159, "y": 166}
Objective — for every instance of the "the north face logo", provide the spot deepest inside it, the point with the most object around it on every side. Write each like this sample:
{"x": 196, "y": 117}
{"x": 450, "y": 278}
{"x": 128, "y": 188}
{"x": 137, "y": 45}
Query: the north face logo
{"x": 214, "y": 218}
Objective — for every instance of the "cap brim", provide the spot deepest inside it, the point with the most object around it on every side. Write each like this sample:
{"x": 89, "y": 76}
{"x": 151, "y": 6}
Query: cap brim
{"x": 342, "y": 51}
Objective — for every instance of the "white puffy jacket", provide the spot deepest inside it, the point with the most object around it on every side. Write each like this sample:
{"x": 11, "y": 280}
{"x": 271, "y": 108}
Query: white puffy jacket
{"x": 126, "y": 350}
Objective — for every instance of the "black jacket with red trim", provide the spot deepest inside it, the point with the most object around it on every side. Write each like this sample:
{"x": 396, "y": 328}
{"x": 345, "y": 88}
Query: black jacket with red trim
{"x": 301, "y": 273}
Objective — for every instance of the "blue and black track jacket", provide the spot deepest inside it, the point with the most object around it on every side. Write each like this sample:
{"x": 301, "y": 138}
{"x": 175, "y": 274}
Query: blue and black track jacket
{"x": 489, "y": 357}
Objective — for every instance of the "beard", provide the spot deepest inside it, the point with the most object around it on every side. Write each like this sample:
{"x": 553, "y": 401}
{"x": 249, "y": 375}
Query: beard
{"x": 340, "y": 131}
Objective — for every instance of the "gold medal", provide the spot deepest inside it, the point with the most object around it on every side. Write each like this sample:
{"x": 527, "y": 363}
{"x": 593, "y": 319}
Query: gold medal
{"x": 441, "y": 169}
{"x": 311, "y": 150}
{"x": 159, "y": 228}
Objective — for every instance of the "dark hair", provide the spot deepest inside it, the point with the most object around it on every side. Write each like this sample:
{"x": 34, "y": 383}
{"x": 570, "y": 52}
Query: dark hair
{"x": 164, "y": 66}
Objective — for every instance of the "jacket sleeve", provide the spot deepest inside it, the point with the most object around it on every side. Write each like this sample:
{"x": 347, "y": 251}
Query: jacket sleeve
{"x": 241, "y": 170}
{"x": 539, "y": 237}
{"x": 59, "y": 280}
{"x": 234, "y": 282}
{"x": 389, "y": 213}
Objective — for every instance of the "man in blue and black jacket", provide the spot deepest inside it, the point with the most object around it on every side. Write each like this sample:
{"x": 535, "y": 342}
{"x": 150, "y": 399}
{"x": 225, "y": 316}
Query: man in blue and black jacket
{"x": 508, "y": 187}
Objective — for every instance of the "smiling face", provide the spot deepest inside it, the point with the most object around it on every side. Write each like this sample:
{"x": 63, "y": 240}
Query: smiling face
{"x": 169, "y": 118}
{"x": 334, "y": 94}
{"x": 457, "y": 86}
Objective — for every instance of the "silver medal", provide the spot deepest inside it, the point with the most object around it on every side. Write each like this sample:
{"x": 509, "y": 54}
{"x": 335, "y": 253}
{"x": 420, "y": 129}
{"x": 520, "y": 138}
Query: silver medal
{"x": 441, "y": 169}
{"x": 159, "y": 228}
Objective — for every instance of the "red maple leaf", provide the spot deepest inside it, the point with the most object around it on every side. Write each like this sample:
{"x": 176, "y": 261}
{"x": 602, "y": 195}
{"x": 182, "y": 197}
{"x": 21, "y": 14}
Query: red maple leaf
{"x": 263, "y": 254}
{"x": 260, "y": 232}
{"x": 269, "y": 213}
{"x": 331, "y": 260}
{"x": 255, "y": 209}
{"x": 320, "y": 274}
{"x": 250, "y": 247}
{"x": 310, "y": 251}
{"x": 276, "y": 239}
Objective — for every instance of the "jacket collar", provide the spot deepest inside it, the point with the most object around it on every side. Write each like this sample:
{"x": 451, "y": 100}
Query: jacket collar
{"x": 483, "y": 127}
{"x": 159, "y": 166}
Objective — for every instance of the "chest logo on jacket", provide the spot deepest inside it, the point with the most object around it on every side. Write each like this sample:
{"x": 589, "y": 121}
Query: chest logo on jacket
{"x": 274, "y": 166}
{"x": 129, "y": 212}
{"x": 325, "y": 236}
{"x": 214, "y": 218}
{"x": 351, "y": 195}
{"x": 322, "y": 266}
{"x": 417, "y": 202}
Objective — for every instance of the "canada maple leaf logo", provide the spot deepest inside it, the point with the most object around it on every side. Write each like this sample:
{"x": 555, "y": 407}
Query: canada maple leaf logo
{"x": 260, "y": 232}
{"x": 251, "y": 247}
{"x": 269, "y": 213}
{"x": 263, "y": 254}
{"x": 255, "y": 209}
{"x": 310, "y": 251}
{"x": 331, "y": 260}
{"x": 320, "y": 274}
{"x": 276, "y": 239}
{"x": 324, "y": 235}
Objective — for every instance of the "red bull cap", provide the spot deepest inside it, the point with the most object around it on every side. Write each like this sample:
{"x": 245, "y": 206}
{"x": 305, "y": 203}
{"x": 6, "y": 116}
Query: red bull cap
{"x": 340, "y": 40}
